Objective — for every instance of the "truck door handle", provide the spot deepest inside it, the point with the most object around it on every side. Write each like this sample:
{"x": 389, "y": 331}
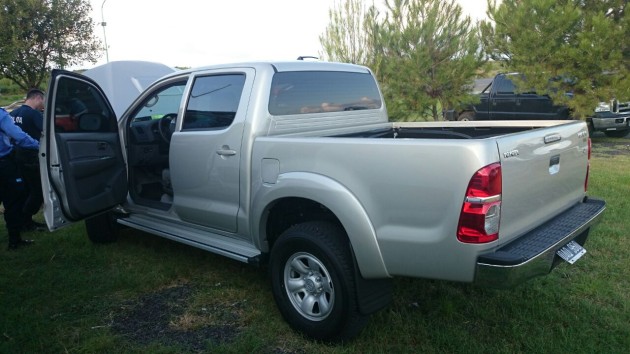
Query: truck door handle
{"x": 552, "y": 138}
{"x": 226, "y": 151}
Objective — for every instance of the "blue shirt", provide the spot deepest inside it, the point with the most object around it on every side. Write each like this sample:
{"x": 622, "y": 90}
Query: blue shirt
{"x": 8, "y": 131}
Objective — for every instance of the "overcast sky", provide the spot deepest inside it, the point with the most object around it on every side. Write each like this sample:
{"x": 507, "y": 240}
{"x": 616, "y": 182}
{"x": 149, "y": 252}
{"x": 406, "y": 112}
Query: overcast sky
{"x": 190, "y": 33}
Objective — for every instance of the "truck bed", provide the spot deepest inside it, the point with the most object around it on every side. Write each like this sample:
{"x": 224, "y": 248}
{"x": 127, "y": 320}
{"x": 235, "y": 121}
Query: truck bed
{"x": 415, "y": 201}
{"x": 450, "y": 130}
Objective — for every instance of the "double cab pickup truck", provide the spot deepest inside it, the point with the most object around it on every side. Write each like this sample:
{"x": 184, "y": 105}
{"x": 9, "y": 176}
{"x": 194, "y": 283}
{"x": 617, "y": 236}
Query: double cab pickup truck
{"x": 295, "y": 166}
{"x": 500, "y": 100}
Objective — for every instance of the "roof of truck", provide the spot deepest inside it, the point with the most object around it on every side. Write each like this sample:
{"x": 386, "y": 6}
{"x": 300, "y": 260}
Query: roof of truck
{"x": 294, "y": 65}
{"x": 124, "y": 81}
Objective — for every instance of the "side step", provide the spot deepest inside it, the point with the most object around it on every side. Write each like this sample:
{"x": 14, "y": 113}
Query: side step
{"x": 226, "y": 246}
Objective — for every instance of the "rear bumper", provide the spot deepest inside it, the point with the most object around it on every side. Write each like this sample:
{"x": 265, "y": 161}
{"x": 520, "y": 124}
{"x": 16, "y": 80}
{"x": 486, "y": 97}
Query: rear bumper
{"x": 534, "y": 253}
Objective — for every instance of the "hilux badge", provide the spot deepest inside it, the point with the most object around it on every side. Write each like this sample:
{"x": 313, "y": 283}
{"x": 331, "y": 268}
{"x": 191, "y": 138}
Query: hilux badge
{"x": 509, "y": 154}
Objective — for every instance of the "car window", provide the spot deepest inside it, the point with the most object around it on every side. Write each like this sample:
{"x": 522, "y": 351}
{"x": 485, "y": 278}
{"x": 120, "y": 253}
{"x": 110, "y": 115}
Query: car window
{"x": 505, "y": 86}
{"x": 163, "y": 101}
{"x": 213, "y": 102}
{"x": 320, "y": 92}
{"x": 79, "y": 107}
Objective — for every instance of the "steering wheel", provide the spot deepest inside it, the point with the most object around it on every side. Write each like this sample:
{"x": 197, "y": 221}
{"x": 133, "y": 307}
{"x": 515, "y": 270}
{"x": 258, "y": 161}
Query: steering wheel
{"x": 166, "y": 126}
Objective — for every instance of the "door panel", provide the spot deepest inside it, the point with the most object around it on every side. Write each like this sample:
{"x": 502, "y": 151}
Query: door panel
{"x": 532, "y": 106}
{"x": 94, "y": 178}
{"x": 205, "y": 154}
{"x": 84, "y": 167}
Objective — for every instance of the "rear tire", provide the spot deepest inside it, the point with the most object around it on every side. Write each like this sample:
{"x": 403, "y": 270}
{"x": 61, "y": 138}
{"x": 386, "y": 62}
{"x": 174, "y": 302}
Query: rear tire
{"x": 616, "y": 133}
{"x": 102, "y": 228}
{"x": 313, "y": 282}
{"x": 466, "y": 116}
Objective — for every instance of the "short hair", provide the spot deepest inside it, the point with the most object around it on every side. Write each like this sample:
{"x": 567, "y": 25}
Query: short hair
{"x": 32, "y": 93}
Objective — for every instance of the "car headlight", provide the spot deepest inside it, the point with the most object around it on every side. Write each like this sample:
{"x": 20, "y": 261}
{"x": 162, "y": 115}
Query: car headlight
{"x": 603, "y": 107}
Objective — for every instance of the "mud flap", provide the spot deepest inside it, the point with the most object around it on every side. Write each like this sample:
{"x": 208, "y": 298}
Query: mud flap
{"x": 372, "y": 294}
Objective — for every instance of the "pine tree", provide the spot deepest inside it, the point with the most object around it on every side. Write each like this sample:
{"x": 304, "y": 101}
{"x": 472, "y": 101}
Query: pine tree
{"x": 576, "y": 51}
{"x": 425, "y": 53}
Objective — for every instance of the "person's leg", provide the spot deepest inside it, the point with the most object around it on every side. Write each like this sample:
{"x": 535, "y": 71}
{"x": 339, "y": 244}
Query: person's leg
{"x": 33, "y": 200}
{"x": 12, "y": 193}
{"x": 35, "y": 197}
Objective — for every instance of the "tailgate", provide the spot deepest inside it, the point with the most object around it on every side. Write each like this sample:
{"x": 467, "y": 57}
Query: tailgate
{"x": 543, "y": 172}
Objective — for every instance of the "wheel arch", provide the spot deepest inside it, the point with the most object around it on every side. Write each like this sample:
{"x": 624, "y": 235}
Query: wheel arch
{"x": 301, "y": 196}
{"x": 469, "y": 114}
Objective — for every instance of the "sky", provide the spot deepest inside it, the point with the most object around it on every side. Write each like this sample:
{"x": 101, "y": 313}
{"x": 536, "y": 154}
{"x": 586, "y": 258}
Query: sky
{"x": 191, "y": 33}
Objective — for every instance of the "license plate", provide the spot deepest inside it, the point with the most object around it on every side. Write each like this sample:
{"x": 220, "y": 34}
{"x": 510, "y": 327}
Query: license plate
{"x": 571, "y": 252}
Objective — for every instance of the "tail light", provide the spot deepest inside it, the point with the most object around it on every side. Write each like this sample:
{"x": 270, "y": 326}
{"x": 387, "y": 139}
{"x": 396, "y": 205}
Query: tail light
{"x": 481, "y": 211}
{"x": 588, "y": 165}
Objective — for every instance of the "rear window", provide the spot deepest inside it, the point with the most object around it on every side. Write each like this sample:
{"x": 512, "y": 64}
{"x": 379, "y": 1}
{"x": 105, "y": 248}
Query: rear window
{"x": 306, "y": 92}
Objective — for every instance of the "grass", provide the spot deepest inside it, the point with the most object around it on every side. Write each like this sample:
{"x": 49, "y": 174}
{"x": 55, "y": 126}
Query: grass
{"x": 6, "y": 100}
{"x": 147, "y": 294}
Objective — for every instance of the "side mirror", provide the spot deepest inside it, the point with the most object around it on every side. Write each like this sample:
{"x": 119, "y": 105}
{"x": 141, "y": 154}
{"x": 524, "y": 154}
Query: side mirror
{"x": 90, "y": 122}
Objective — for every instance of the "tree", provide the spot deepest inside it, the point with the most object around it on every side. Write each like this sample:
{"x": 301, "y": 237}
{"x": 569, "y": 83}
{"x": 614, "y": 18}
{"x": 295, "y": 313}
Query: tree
{"x": 39, "y": 34}
{"x": 431, "y": 53}
{"x": 424, "y": 52}
{"x": 576, "y": 51}
{"x": 346, "y": 38}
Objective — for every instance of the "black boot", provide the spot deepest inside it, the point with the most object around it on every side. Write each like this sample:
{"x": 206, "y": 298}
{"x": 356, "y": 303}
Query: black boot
{"x": 16, "y": 241}
{"x": 32, "y": 225}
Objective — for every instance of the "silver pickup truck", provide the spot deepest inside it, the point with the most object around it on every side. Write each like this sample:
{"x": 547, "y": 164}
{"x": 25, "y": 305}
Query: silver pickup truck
{"x": 295, "y": 166}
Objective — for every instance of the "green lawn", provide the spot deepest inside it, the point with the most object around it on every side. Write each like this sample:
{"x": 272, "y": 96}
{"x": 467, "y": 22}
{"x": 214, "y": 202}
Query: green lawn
{"x": 146, "y": 294}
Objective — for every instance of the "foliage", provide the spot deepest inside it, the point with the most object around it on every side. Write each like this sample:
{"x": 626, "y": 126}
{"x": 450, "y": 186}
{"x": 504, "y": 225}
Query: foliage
{"x": 9, "y": 87}
{"x": 433, "y": 53}
{"x": 568, "y": 46}
{"x": 348, "y": 36}
{"x": 37, "y": 35}
{"x": 424, "y": 52}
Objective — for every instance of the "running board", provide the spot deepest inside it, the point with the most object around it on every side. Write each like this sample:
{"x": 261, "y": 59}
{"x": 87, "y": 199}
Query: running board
{"x": 206, "y": 240}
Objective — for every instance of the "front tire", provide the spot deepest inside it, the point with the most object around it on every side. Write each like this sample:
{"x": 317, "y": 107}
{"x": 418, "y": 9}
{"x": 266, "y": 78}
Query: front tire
{"x": 313, "y": 282}
{"x": 102, "y": 228}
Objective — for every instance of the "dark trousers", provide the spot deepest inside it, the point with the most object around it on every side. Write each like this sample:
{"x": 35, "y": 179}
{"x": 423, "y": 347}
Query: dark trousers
{"x": 29, "y": 167}
{"x": 13, "y": 194}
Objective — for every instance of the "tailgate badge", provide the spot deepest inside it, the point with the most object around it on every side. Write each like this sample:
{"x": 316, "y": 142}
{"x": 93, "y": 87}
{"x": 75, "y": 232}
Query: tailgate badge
{"x": 509, "y": 154}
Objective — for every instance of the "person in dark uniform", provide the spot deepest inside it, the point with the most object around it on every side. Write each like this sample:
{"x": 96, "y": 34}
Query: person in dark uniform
{"x": 12, "y": 188}
{"x": 29, "y": 118}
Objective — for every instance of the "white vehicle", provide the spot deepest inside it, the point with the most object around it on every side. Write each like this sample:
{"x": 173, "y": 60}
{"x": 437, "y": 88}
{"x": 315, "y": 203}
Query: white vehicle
{"x": 294, "y": 165}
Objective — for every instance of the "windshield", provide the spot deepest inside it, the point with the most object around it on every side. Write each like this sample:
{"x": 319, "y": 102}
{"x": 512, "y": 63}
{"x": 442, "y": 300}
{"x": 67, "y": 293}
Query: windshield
{"x": 161, "y": 103}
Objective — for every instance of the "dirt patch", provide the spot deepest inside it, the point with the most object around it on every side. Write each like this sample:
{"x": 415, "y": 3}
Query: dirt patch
{"x": 158, "y": 317}
{"x": 611, "y": 149}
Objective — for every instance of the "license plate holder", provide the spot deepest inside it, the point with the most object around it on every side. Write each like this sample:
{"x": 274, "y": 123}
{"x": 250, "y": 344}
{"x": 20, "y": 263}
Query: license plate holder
{"x": 571, "y": 252}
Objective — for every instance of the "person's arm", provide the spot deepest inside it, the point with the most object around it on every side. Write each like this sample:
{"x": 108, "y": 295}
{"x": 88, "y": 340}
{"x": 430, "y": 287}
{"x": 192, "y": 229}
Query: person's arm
{"x": 39, "y": 122}
{"x": 21, "y": 139}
